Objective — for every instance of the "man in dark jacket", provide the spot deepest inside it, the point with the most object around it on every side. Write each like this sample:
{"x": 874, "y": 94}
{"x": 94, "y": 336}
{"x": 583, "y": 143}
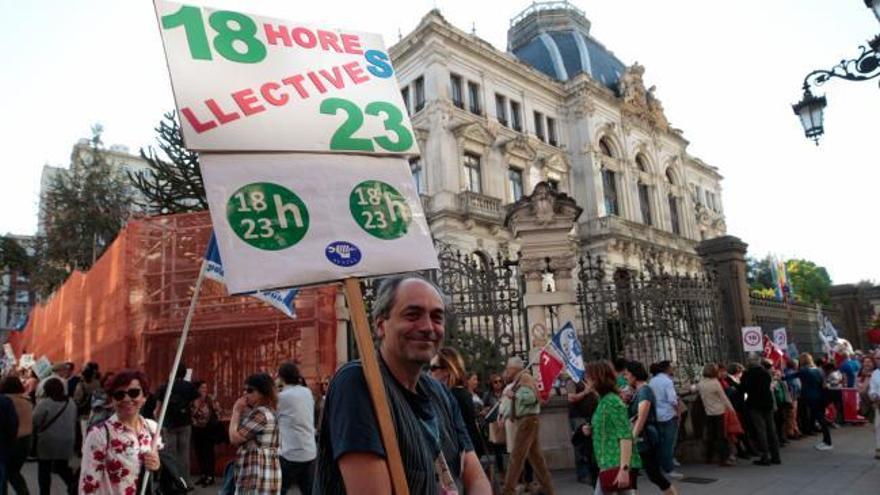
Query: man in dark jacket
{"x": 8, "y": 434}
{"x": 759, "y": 402}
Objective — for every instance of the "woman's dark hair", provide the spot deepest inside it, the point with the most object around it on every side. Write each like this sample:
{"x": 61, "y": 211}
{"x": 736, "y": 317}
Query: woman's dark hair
{"x": 263, "y": 383}
{"x": 54, "y": 389}
{"x": 620, "y": 365}
{"x": 198, "y": 383}
{"x": 289, "y": 373}
{"x": 637, "y": 370}
{"x": 11, "y": 385}
{"x": 735, "y": 368}
{"x": 123, "y": 378}
{"x": 664, "y": 366}
{"x": 828, "y": 367}
{"x": 602, "y": 375}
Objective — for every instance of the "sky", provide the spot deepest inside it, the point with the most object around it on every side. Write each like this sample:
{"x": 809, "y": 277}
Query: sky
{"x": 726, "y": 72}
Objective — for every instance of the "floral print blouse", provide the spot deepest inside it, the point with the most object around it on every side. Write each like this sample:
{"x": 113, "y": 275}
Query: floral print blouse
{"x": 113, "y": 455}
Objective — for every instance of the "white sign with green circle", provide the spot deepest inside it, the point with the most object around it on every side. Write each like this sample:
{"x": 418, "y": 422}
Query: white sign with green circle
{"x": 267, "y": 216}
{"x": 294, "y": 219}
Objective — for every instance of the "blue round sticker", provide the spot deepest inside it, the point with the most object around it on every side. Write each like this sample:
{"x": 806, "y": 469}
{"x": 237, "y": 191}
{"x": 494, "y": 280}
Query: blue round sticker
{"x": 342, "y": 253}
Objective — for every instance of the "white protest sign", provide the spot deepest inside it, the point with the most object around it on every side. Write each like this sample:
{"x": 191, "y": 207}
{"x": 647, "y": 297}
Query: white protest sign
{"x": 780, "y": 338}
{"x": 27, "y": 361}
{"x": 753, "y": 339}
{"x": 244, "y": 82}
{"x": 286, "y": 220}
{"x": 42, "y": 367}
{"x": 10, "y": 353}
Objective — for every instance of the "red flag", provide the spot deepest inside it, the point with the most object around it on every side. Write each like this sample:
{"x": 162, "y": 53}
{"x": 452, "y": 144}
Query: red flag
{"x": 550, "y": 366}
{"x": 772, "y": 352}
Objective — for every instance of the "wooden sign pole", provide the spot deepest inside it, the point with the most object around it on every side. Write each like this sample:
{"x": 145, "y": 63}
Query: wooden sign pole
{"x": 370, "y": 364}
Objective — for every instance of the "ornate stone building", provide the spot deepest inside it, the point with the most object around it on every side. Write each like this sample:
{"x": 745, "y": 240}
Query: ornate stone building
{"x": 557, "y": 107}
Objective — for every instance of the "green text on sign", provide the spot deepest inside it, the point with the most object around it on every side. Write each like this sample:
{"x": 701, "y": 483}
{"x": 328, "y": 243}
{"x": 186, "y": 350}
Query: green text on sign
{"x": 267, "y": 216}
{"x": 342, "y": 139}
{"x": 380, "y": 209}
{"x": 230, "y": 27}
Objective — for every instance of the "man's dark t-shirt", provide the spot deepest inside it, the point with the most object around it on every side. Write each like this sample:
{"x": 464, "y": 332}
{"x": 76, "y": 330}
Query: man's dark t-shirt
{"x": 179, "y": 411}
{"x": 349, "y": 423}
{"x": 756, "y": 385}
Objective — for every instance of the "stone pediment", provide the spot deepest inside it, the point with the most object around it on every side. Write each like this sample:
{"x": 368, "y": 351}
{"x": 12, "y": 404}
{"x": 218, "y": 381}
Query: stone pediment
{"x": 543, "y": 207}
{"x": 475, "y": 131}
{"x": 521, "y": 148}
{"x": 557, "y": 162}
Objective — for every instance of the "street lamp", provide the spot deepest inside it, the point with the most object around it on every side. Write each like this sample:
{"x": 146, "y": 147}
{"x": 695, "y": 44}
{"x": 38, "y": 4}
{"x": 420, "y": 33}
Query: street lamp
{"x": 865, "y": 66}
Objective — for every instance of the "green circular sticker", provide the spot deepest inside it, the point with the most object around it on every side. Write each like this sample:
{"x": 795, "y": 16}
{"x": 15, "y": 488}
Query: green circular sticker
{"x": 267, "y": 216}
{"x": 380, "y": 209}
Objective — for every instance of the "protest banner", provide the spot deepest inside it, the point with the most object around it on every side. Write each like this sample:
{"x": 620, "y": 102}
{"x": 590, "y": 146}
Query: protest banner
{"x": 753, "y": 339}
{"x": 246, "y": 82}
{"x": 288, "y": 220}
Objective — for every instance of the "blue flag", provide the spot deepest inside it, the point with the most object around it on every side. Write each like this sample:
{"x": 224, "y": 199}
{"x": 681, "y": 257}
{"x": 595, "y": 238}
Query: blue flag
{"x": 280, "y": 299}
{"x": 567, "y": 347}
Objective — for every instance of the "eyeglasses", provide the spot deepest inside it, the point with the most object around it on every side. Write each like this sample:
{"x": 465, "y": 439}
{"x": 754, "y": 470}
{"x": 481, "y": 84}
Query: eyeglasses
{"x": 435, "y": 367}
{"x": 132, "y": 393}
{"x": 249, "y": 390}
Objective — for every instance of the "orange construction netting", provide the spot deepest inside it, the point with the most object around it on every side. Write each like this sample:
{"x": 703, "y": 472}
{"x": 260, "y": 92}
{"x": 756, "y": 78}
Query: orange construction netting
{"x": 128, "y": 311}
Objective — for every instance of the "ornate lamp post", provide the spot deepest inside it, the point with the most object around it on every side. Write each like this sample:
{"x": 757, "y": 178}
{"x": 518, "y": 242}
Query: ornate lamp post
{"x": 866, "y": 66}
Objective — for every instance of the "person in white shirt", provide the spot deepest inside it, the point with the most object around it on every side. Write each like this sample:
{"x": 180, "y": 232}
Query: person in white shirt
{"x": 296, "y": 425}
{"x": 874, "y": 395}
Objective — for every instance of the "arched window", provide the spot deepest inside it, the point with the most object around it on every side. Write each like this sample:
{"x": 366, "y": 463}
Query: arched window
{"x": 642, "y": 163}
{"x": 645, "y": 203}
{"x": 670, "y": 177}
{"x": 673, "y": 214}
{"x": 609, "y": 186}
{"x": 605, "y": 147}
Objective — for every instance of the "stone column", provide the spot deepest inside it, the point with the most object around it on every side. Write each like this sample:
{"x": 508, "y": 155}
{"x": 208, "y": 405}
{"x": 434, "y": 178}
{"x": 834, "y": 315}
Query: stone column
{"x": 854, "y": 311}
{"x": 728, "y": 256}
{"x": 543, "y": 224}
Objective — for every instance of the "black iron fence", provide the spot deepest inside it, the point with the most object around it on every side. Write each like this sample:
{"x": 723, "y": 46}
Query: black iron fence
{"x": 649, "y": 316}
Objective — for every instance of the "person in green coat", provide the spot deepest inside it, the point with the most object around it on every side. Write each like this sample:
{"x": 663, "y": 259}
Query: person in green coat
{"x": 612, "y": 432}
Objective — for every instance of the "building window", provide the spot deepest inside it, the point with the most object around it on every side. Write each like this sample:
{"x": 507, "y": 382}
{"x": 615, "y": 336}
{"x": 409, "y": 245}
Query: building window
{"x": 22, "y": 297}
{"x": 609, "y": 184}
{"x": 673, "y": 215}
{"x": 501, "y": 109}
{"x": 699, "y": 193}
{"x": 551, "y": 131}
{"x": 455, "y": 82}
{"x": 669, "y": 177}
{"x": 474, "y": 97}
{"x": 404, "y": 93}
{"x": 472, "y": 170}
{"x": 605, "y": 147}
{"x": 419, "y": 90}
{"x": 515, "y": 183}
{"x": 645, "y": 203}
{"x": 515, "y": 116}
{"x": 415, "y": 166}
{"x": 539, "y": 125}
{"x": 641, "y": 163}
{"x": 553, "y": 183}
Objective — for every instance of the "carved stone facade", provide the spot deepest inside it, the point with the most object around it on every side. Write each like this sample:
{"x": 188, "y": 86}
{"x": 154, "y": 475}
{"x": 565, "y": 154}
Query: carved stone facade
{"x": 491, "y": 127}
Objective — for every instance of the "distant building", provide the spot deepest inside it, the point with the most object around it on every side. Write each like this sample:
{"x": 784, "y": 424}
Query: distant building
{"x": 117, "y": 155}
{"x": 557, "y": 107}
{"x": 16, "y": 295}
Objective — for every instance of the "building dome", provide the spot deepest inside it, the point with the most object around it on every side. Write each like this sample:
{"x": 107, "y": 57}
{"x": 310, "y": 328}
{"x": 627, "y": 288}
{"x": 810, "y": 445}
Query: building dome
{"x": 554, "y": 38}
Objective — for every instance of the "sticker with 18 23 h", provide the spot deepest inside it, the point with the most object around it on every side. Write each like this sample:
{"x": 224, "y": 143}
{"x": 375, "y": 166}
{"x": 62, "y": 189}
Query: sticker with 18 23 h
{"x": 267, "y": 216}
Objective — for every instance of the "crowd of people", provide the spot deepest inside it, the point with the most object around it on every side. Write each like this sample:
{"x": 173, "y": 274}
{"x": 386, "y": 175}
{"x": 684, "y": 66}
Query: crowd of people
{"x": 624, "y": 419}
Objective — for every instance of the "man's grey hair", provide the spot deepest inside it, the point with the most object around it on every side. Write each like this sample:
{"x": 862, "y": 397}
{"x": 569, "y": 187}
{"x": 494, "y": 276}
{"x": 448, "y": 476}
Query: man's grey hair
{"x": 386, "y": 294}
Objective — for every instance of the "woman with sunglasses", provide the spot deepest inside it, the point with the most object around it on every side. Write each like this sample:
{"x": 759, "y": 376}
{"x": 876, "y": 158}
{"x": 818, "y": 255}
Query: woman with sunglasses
{"x": 117, "y": 451}
{"x": 253, "y": 428}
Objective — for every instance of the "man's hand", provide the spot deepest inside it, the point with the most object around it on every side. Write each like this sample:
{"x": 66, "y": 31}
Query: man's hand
{"x": 240, "y": 405}
{"x": 509, "y": 394}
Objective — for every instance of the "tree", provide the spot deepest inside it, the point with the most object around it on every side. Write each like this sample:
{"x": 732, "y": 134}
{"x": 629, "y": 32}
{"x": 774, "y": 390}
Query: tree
{"x": 174, "y": 184}
{"x": 810, "y": 282}
{"x": 759, "y": 275}
{"x": 84, "y": 208}
{"x": 12, "y": 255}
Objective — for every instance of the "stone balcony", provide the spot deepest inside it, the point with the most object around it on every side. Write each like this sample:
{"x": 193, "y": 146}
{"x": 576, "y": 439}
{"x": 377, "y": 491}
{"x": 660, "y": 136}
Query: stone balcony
{"x": 481, "y": 208}
{"x": 621, "y": 228}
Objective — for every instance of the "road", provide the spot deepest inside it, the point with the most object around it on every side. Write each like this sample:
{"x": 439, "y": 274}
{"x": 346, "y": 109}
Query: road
{"x": 850, "y": 469}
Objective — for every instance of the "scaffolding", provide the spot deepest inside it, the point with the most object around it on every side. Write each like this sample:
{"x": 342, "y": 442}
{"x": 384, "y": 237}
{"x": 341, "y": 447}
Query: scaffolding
{"x": 128, "y": 311}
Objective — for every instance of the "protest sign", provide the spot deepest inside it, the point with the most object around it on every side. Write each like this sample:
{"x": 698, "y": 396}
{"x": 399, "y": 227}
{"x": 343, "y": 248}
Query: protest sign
{"x": 286, "y": 220}
{"x": 26, "y": 361}
{"x": 245, "y": 82}
{"x": 10, "y": 354}
{"x": 42, "y": 367}
{"x": 753, "y": 339}
{"x": 780, "y": 338}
